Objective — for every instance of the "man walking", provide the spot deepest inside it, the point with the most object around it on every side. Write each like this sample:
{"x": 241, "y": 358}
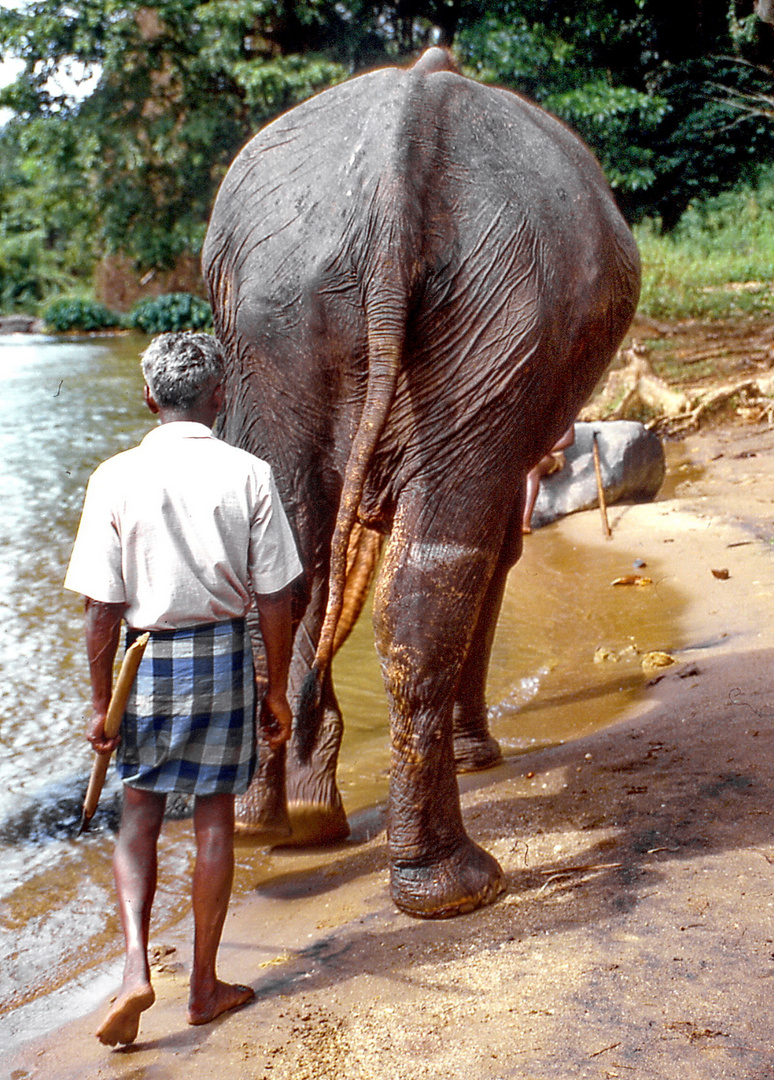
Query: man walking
{"x": 181, "y": 536}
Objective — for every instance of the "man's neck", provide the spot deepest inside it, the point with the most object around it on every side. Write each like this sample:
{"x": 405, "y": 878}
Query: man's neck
{"x": 192, "y": 416}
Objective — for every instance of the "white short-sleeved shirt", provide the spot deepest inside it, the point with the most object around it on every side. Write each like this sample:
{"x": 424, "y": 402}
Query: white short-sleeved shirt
{"x": 183, "y": 529}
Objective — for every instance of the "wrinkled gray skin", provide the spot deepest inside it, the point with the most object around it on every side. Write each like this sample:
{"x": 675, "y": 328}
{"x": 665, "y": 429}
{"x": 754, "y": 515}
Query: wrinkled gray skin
{"x": 418, "y": 280}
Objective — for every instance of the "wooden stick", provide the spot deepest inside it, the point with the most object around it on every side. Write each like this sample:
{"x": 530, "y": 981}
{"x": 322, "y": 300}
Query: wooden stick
{"x": 118, "y": 699}
{"x": 600, "y": 489}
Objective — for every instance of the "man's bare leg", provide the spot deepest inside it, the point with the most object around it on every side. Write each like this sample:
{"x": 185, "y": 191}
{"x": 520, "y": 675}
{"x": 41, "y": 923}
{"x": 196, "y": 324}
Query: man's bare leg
{"x": 135, "y": 871}
{"x": 213, "y": 877}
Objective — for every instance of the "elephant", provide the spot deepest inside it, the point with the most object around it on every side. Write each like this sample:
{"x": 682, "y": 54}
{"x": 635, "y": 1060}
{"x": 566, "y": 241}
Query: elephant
{"x": 417, "y": 280}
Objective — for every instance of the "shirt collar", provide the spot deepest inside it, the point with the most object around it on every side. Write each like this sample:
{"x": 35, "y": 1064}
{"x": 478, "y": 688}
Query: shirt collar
{"x": 179, "y": 429}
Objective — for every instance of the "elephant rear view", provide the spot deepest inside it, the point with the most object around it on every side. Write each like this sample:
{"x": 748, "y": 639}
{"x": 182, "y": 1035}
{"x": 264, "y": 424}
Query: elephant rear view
{"x": 418, "y": 281}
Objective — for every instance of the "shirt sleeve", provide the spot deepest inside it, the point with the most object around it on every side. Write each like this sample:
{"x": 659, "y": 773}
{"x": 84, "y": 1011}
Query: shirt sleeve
{"x": 95, "y": 568}
{"x": 274, "y": 560}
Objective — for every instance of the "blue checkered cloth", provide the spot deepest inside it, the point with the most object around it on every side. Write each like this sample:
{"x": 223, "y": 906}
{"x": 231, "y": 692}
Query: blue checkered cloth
{"x": 189, "y": 724}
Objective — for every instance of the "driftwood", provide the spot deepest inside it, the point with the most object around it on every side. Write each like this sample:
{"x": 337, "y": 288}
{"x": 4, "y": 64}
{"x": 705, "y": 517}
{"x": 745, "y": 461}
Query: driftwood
{"x": 634, "y": 391}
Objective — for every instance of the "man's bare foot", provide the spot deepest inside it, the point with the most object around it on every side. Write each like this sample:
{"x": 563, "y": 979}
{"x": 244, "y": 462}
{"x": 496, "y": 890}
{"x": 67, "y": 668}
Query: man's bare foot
{"x": 123, "y": 1021}
{"x": 225, "y": 996}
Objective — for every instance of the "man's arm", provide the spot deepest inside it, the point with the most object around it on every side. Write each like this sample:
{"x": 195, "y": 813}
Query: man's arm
{"x": 275, "y": 622}
{"x": 103, "y": 629}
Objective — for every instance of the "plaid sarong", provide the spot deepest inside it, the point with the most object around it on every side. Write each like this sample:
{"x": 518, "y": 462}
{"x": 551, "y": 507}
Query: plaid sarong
{"x": 189, "y": 724}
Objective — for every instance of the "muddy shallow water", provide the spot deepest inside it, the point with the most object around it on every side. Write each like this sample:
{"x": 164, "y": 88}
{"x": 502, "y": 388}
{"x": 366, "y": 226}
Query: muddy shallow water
{"x": 66, "y": 405}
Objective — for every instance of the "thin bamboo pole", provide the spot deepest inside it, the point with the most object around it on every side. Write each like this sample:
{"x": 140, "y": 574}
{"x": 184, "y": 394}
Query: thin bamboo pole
{"x": 600, "y": 489}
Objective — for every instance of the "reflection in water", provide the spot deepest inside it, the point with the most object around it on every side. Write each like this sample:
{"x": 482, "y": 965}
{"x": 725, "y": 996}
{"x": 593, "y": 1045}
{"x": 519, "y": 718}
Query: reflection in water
{"x": 65, "y": 406}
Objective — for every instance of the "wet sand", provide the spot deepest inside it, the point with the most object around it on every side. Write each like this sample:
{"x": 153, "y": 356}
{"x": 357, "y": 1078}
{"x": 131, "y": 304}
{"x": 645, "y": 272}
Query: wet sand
{"x": 636, "y": 937}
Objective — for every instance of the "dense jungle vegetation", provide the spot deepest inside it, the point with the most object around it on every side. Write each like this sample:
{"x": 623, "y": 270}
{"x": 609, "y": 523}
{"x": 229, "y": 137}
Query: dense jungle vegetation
{"x": 676, "y": 100}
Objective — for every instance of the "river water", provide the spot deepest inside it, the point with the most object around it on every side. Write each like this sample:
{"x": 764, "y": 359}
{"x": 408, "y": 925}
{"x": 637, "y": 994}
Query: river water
{"x": 65, "y": 405}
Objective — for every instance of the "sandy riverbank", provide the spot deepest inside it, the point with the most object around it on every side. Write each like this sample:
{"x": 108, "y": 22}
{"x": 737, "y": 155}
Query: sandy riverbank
{"x": 637, "y": 934}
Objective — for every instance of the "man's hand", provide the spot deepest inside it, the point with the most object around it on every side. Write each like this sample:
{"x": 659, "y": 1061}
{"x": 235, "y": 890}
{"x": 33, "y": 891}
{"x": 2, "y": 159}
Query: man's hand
{"x": 103, "y": 629}
{"x": 95, "y": 734}
{"x": 276, "y": 719}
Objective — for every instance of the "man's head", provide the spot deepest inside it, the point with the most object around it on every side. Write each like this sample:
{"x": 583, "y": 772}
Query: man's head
{"x": 181, "y": 369}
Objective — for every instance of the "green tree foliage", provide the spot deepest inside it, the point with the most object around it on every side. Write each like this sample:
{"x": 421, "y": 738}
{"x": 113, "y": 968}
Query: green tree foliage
{"x": 46, "y": 217}
{"x": 181, "y": 87}
{"x": 653, "y": 87}
{"x": 656, "y": 89}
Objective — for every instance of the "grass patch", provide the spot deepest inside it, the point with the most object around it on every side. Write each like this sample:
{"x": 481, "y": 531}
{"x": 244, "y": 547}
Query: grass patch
{"x": 719, "y": 261}
{"x": 674, "y": 370}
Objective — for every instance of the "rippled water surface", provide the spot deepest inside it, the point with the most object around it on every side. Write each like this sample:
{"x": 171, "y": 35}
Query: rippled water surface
{"x": 65, "y": 405}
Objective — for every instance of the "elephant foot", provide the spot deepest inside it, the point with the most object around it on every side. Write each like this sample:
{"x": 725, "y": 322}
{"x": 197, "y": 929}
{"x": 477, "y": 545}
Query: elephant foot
{"x": 265, "y": 834}
{"x": 315, "y": 823}
{"x": 269, "y": 824}
{"x": 262, "y": 811}
{"x": 468, "y": 879}
{"x": 473, "y": 753}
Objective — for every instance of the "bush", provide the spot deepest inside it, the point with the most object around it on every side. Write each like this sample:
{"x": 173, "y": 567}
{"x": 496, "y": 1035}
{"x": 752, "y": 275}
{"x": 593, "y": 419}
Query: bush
{"x": 165, "y": 314}
{"x": 77, "y": 313}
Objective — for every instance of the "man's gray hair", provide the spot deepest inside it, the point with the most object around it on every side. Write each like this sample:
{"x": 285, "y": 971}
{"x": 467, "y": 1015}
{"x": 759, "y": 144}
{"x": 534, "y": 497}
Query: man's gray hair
{"x": 179, "y": 367}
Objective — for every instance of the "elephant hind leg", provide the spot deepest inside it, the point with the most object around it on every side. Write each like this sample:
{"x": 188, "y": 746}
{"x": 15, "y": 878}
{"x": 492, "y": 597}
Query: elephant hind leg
{"x": 474, "y": 747}
{"x": 315, "y": 809}
{"x": 422, "y": 615}
{"x": 294, "y": 799}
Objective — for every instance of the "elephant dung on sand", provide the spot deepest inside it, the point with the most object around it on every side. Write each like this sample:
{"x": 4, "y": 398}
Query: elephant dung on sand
{"x": 418, "y": 280}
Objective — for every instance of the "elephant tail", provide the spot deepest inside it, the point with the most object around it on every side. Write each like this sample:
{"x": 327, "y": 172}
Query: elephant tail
{"x": 385, "y": 346}
{"x": 363, "y": 552}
